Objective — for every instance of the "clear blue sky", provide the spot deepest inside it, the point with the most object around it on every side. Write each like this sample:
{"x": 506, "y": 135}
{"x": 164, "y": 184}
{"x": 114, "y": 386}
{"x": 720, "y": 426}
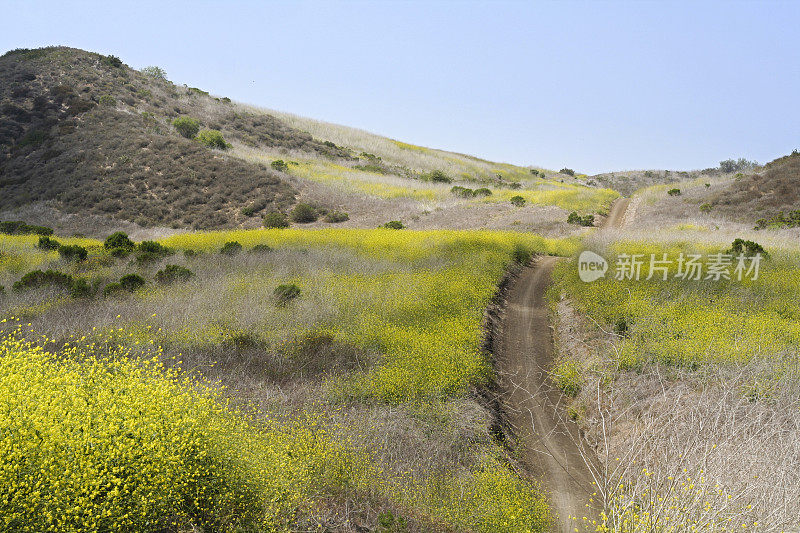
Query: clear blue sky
{"x": 594, "y": 86}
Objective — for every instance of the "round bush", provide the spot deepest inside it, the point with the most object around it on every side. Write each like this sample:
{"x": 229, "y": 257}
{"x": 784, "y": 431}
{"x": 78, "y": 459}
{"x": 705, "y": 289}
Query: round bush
{"x": 172, "y": 273}
{"x": 304, "y": 213}
{"x": 518, "y": 201}
{"x": 260, "y": 249}
{"x": 286, "y": 293}
{"x": 131, "y": 282}
{"x": 119, "y": 239}
{"x": 186, "y": 126}
{"x": 231, "y": 248}
{"x": 394, "y": 224}
{"x": 212, "y": 139}
{"x": 72, "y": 252}
{"x": 276, "y": 219}
{"x": 46, "y": 243}
{"x": 334, "y": 217}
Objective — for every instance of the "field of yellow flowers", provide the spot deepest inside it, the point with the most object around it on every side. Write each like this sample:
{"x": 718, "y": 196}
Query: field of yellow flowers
{"x": 208, "y": 403}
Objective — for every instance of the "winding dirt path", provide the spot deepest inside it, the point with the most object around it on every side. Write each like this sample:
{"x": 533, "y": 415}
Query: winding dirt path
{"x": 548, "y": 441}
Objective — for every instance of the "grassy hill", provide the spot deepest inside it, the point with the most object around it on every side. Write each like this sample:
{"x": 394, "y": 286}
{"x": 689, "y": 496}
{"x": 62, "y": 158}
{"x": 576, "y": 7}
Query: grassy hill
{"x": 84, "y": 134}
{"x": 763, "y": 194}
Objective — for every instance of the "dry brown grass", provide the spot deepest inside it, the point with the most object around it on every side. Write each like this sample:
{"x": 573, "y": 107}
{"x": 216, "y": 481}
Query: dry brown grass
{"x": 695, "y": 441}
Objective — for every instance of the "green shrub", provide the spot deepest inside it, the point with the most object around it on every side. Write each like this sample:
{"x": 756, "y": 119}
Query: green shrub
{"x": 518, "y": 201}
{"x": 131, "y": 282}
{"x": 276, "y": 219}
{"x": 705, "y": 208}
{"x": 483, "y": 191}
{"x": 334, "y": 217}
{"x": 260, "y": 249}
{"x": 37, "y": 278}
{"x": 46, "y": 243}
{"x": 567, "y": 171}
{"x": 286, "y": 293}
{"x": 18, "y": 227}
{"x": 119, "y": 252}
{"x": 72, "y": 252}
{"x": 585, "y": 220}
{"x": 249, "y": 211}
{"x": 111, "y": 61}
{"x": 393, "y": 224}
{"x": 747, "y": 248}
{"x": 80, "y": 288}
{"x": 674, "y": 192}
{"x": 186, "y": 126}
{"x": 151, "y": 251}
{"x": 172, "y": 273}
{"x": 119, "y": 239}
{"x": 279, "y": 165}
{"x": 108, "y": 100}
{"x": 112, "y": 288}
{"x": 153, "y": 247}
{"x": 231, "y": 248}
{"x": 437, "y": 176}
{"x": 157, "y": 73}
{"x": 462, "y": 192}
{"x": 212, "y": 139}
{"x": 304, "y": 213}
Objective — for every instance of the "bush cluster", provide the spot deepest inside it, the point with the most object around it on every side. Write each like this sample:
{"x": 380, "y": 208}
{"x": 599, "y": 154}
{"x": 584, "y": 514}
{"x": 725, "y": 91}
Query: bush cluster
{"x": 173, "y": 273}
{"x": 393, "y": 224}
{"x": 279, "y": 165}
{"x": 212, "y": 139}
{"x": 567, "y": 171}
{"x": 737, "y": 165}
{"x": 465, "y": 192}
{"x": 119, "y": 241}
{"x": 747, "y": 248}
{"x": 276, "y": 219}
{"x": 147, "y": 251}
{"x": 231, "y": 248}
{"x": 77, "y": 287}
{"x": 585, "y": 220}
{"x": 73, "y": 252}
{"x": 517, "y": 200}
{"x": 18, "y": 227}
{"x": 674, "y": 192}
{"x": 286, "y": 293}
{"x": 186, "y": 126}
{"x": 781, "y": 220}
{"x": 437, "y": 176}
{"x": 334, "y": 217}
{"x": 304, "y": 213}
{"x": 47, "y": 243}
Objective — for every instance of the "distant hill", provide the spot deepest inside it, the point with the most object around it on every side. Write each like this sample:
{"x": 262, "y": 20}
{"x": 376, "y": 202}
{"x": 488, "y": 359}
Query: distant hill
{"x": 751, "y": 196}
{"x": 91, "y": 135}
{"x": 84, "y": 134}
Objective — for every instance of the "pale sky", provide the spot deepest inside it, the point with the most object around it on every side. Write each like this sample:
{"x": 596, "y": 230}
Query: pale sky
{"x": 595, "y": 86}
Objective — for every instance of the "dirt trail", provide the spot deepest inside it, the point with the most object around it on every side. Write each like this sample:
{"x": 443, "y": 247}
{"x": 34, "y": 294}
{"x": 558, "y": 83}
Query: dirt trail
{"x": 548, "y": 441}
{"x": 616, "y": 217}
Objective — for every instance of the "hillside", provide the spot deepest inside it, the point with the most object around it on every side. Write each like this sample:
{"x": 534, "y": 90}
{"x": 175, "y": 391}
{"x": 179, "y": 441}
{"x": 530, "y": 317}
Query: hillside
{"x": 84, "y": 134}
{"x": 775, "y": 188}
